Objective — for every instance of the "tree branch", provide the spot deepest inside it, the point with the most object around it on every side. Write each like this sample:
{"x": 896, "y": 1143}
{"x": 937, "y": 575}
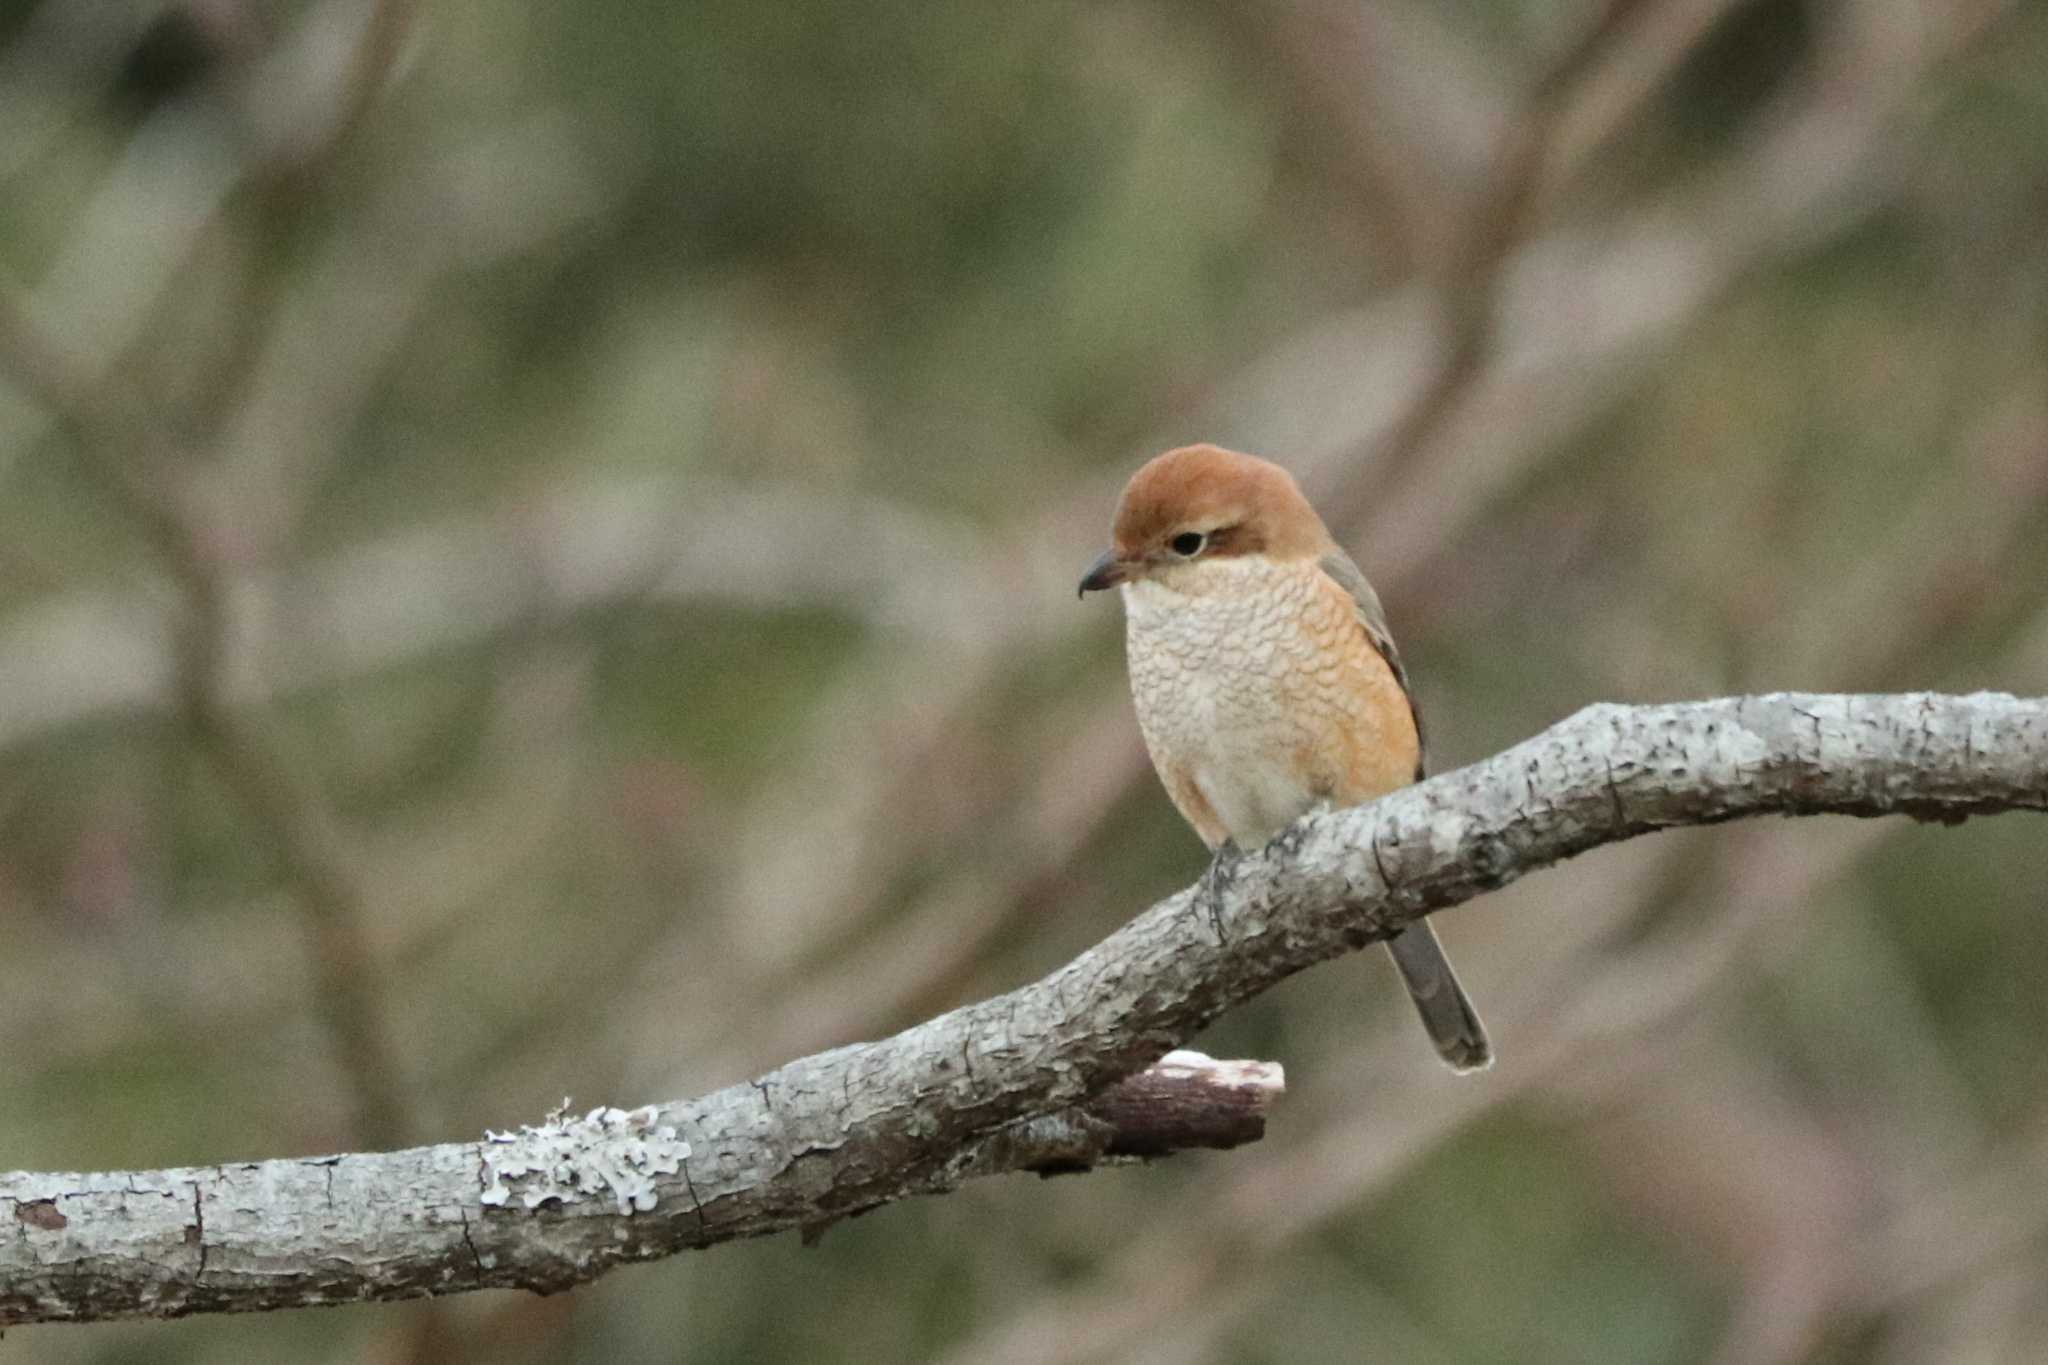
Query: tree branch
{"x": 848, "y": 1130}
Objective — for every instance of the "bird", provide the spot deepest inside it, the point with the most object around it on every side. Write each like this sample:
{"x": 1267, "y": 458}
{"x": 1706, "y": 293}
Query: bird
{"x": 1265, "y": 678}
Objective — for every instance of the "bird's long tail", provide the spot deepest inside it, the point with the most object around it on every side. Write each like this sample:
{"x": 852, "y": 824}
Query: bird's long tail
{"x": 1446, "y": 1011}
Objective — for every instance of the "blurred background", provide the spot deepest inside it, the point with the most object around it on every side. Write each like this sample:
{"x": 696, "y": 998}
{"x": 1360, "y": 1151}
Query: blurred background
{"x": 537, "y": 548}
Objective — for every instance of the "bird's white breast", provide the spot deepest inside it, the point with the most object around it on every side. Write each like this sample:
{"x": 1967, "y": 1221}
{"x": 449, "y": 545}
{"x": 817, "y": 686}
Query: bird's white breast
{"x": 1224, "y": 677}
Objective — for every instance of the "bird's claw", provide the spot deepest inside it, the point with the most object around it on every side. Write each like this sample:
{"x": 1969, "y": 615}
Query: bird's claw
{"x": 1222, "y": 869}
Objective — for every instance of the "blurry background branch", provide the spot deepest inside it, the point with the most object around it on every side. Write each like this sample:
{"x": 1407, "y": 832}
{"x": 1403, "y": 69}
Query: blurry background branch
{"x": 161, "y": 487}
{"x": 845, "y": 1131}
{"x": 158, "y": 488}
{"x": 1469, "y": 276}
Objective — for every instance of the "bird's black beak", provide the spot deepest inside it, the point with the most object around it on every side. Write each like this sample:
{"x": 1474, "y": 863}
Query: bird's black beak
{"x": 1106, "y": 572}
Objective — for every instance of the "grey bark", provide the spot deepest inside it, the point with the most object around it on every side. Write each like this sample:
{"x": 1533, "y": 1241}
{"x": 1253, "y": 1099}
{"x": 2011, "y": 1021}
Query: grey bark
{"x": 847, "y": 1130}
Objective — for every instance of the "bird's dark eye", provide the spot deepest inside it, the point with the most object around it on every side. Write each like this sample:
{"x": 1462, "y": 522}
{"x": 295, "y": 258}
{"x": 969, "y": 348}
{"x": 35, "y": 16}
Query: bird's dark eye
{"x": 1188, "y": 544}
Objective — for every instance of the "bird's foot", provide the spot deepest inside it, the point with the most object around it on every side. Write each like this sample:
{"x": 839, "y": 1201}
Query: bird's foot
{"x": 1216, "y": 881}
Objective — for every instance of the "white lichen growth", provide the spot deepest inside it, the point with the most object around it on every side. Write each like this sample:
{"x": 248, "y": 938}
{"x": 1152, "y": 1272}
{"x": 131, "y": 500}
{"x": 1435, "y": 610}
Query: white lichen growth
{"x": 567, "y": 1159}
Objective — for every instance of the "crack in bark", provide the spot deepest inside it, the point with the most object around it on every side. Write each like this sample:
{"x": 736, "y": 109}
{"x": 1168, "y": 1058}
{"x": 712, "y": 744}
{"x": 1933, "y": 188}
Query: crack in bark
{"x": 475, "y": 1257}
{"x": 1614, "y": 794}
{"x": 199, "y": 1232}
{"x": 696, "y": 1201}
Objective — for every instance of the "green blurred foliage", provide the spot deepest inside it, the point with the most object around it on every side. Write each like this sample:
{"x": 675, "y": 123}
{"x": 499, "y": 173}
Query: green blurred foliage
{"x": 657, "y": 443}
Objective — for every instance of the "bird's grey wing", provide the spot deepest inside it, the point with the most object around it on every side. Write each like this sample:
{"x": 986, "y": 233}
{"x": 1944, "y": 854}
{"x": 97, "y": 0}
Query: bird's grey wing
{"x": 1373, "y": 618}
{"x": 1447, "y": 1012}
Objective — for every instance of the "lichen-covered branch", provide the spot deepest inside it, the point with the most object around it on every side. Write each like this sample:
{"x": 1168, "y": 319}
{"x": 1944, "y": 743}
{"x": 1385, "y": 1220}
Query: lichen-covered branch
{"x": 347, "y": 1211}
{"x": 848, "y": 1130}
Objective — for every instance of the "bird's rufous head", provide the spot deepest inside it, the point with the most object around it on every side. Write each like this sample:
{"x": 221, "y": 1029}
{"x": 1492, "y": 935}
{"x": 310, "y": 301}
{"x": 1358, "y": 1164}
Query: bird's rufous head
{"x": 1201, "y": 504}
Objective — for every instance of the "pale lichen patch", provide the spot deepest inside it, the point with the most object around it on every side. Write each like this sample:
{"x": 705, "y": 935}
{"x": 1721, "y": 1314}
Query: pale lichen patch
{"x": 1187, "y": 1064}
{"x": 567, "y": 1159}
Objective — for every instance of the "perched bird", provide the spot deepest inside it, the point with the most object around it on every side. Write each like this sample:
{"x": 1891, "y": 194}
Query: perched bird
{"x": 1265, "y": 678}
